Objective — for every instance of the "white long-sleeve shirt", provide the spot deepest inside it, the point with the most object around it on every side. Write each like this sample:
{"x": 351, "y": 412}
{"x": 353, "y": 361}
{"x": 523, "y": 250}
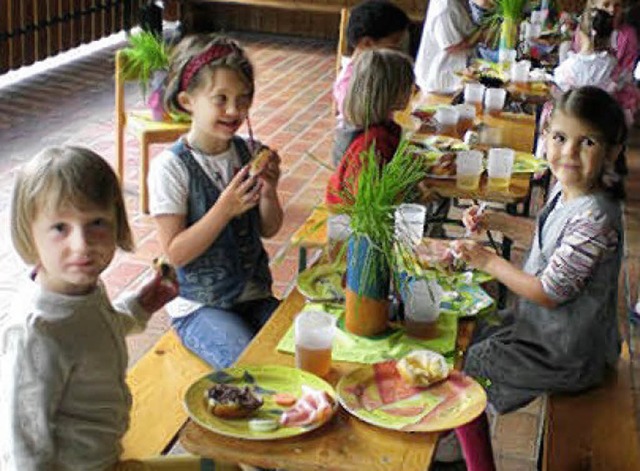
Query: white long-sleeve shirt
{"x": 64, "y": 402}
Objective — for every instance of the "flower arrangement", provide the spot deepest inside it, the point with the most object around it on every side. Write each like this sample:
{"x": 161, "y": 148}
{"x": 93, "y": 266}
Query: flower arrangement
{"x": 374, "y": 246}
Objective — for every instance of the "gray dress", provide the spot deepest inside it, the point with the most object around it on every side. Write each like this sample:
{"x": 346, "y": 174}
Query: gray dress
{"x": 564, "y": 349}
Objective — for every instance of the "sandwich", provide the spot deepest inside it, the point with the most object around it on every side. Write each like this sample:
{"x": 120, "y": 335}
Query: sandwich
{"x": 423, "y": 368}
{"x": 260, "y": 161}
{"x": 231, "y": 402}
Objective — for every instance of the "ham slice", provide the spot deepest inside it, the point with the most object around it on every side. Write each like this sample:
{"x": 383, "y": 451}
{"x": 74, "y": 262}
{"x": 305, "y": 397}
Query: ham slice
{"x": 312, "y": 407}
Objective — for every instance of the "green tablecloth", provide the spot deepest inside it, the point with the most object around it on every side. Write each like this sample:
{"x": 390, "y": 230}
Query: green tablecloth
{"x": 393, "y": 344}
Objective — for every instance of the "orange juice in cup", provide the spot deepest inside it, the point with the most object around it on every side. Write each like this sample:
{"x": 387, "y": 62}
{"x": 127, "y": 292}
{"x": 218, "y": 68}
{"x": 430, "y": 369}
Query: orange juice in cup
{"x": 314, "y": 332}
{"x": 467, "y": 113}
{"x": 447, "y": 119}
{"x": 494, "y": 99}
{"x": 499, "y": 168}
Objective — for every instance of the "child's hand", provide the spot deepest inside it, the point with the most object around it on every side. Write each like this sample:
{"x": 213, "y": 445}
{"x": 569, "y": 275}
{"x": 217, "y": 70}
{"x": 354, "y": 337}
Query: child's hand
{"x": 271, "y": 174}
{"x": 474, "y": 254}
{"x": 474, "y": 219}
{"x": 241, "y": 194}
{"x": 157, "y": 292}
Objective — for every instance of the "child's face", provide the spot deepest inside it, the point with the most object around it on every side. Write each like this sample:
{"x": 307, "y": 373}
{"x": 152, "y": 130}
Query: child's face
{"x": 74, "y": 247}
{"x": 613, "y": 7}
{"x": 218, "y": 108}
{"x": 576, "y": 153}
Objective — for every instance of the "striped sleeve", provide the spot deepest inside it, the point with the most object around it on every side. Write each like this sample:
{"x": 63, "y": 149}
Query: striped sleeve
{"x": 588, "y": 238}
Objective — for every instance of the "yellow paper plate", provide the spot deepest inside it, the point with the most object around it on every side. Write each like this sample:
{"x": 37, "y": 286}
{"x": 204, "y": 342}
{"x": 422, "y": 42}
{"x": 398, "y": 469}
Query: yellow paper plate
{"x": 322, "y": 282}
{"x": 377, "y": 394}
{"x": 525, "y": 162}
{"x": 265, "y": 381}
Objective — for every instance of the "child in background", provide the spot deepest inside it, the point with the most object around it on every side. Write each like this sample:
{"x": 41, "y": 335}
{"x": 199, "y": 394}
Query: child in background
{"x": 624, "y": 43}
{"x": 382, "y": 83}
{"x": 593, "y": 64}
{"x": 209, "y": 208}
{"x": 372, "y": 24}
{"x": 563, "y": 335}
{"x": 64, "y": 402}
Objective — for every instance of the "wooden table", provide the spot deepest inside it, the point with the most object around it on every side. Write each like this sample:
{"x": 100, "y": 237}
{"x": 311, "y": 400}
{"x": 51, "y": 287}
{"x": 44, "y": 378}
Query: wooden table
{"x": 344, "y": 443}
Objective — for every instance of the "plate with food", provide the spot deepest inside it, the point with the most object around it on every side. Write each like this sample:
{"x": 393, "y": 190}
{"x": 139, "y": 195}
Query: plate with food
{"x": 260, "y": 402}
{"x": 525, "y": 162}
{"x": 322, "y": 282}
{"x": 444, "y": 143}
{"x": 419, "y": 393}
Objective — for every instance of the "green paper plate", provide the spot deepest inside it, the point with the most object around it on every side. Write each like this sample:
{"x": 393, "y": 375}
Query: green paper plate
{"x": 322, "y": 282}
{"x": 265, "y": 381}
{"x": 377, "y": 395}
{"x": 525, "y": 162}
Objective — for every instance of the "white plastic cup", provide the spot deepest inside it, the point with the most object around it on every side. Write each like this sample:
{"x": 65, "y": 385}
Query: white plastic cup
{"x": 474, "y": 94}
{"x": 338, "y": 227}
{"x": 534, "y": 31}
{"x": 422, "y": 307}
{"x": 536, "y": 17}
{"x": 467, "y": 117}
{"x": 520, "y": 72}
{"x": 409, "y": 223}
{"x": 494, "y": 99}
{"x": 468, "y": 169}
{"x": 314, "y": 332}
{"x": 499, "y": 168}
{"x": 447, "y": 119}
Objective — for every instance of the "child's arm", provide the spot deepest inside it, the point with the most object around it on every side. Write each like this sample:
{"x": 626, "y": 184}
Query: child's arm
{"x": 34, "y": 373}
{"x": 182, "y": 245}
{"x": 271, "y": 214}
{"x": 518, "y": 281}
{"x": 520, "y": 229}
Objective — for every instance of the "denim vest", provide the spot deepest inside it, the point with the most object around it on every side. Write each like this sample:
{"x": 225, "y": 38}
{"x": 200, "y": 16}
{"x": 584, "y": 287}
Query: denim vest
{"x": 219, "y": 275}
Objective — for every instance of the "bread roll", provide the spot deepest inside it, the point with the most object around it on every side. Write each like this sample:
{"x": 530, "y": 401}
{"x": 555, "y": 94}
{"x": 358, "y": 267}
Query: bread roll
{"x": 423, "y": 368}
{"x": 260, "y": 161}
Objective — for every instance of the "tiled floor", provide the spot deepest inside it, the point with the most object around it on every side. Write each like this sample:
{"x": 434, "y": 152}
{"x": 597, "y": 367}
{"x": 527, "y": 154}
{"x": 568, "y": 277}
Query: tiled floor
{"x": 292, "y": 113}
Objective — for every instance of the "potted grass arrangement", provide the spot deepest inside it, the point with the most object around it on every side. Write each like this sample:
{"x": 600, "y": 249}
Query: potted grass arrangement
{"x": 372, "y": 248}
{"x": 147, "y": 60}
{"x": 506, "y": 18}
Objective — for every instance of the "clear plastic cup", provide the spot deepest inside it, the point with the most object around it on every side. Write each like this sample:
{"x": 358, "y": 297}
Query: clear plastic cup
{"x": 534, "y": 31}
{"x": 314, "y": 332}
{"x": 467, "y": 116}
{"x": 409, "y": 223}
{"x": 338, "y": 227}
{"x": 468, "y": 169}
{"x": 494, "y": 99}
{"x": 520, "y": 73}
{"x": 506, "y": 58}
{"x": 474, "y": 94}
{"x": 422, "y": 307}
{"x": 536, "y": 17}
{"x": 499, "y": 168}
{"x": 447, "y": 119}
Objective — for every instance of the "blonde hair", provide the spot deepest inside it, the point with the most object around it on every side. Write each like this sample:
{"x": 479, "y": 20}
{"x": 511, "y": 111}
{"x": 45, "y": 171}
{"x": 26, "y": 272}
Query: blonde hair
{"x": 60, "y": 176}
{"x": 191, "y": 47}
{"x": 382, "y": 82}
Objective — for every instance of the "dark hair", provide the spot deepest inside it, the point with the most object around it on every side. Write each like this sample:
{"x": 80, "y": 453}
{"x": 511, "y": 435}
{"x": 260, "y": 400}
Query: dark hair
{"x": 598, "y": 25}
{"x": 602, "y": 112}
{"x": 376, "y": 19}
{"x": 194, "y": 45}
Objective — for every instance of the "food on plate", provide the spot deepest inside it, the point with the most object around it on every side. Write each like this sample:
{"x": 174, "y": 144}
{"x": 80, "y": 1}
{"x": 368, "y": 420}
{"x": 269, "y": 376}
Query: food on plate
{"x": 313, "y": 406}
{"x": 231, "y": 402}
{"x": 423, "y": 368}
{"x": 445, "y": 166}
{"x": 260, "y": 161}
{"x": 263, "y": 425}
{"x": 166, "y": 270}
{"x": 285, "y": 399}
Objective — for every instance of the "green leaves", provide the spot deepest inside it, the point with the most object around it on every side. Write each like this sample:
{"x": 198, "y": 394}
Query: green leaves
{"x": 146, "y": 54}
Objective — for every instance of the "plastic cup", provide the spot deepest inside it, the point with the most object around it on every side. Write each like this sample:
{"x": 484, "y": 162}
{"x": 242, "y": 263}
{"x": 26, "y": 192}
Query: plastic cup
{"x": 506, "y": 58}
{"x": 473, "y": 95}
{"x": 536, "y": 17}
{"x": 314, "y": 334}
{"x": 520, "y": 73}
{"x": 447, "y": 119}
{"x": 534, "y": 30}
{"x": 409, "y": 223}
{"x": 468, "y": 169}
{"x": 499, "y": 168}
{"x": 494, "y": 99}
{"x": 338, "y": 227}
{"x": 422, "y": 307}
{"x": 467, "y": 116}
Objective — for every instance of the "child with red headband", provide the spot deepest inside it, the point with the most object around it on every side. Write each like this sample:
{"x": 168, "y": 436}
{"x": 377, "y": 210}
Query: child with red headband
{"x": 211, "y": 206}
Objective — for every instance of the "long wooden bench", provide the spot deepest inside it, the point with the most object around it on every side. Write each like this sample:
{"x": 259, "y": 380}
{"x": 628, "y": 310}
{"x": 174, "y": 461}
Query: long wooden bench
{"x": 595, "y": 430}
{"x": 158, "y": 382}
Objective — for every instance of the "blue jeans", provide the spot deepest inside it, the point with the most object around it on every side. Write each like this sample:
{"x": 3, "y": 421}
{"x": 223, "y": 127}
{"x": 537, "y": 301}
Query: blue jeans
{"x": 219, "y": 336}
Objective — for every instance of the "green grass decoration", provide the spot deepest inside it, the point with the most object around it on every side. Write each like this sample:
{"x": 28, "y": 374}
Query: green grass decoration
{"x": 509, "y": 12}
{"x": 145, "y": 54}
{"x": 371, "y": 205}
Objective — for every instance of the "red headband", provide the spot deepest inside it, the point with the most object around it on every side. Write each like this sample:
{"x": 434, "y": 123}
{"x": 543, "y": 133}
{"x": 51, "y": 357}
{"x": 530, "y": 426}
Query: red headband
{"x": 217, "y": 51}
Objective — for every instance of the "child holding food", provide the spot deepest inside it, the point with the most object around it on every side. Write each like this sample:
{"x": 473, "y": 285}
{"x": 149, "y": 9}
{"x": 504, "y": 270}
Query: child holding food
{"x": 64, "y": 401}
{"x": 212, "y": 203}
{"x": 563, "y": 335}
{"x": 373, "y": 24}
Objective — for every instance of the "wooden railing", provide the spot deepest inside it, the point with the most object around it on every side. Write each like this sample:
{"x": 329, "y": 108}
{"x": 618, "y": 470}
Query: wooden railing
{"x": 32, "y": 30}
